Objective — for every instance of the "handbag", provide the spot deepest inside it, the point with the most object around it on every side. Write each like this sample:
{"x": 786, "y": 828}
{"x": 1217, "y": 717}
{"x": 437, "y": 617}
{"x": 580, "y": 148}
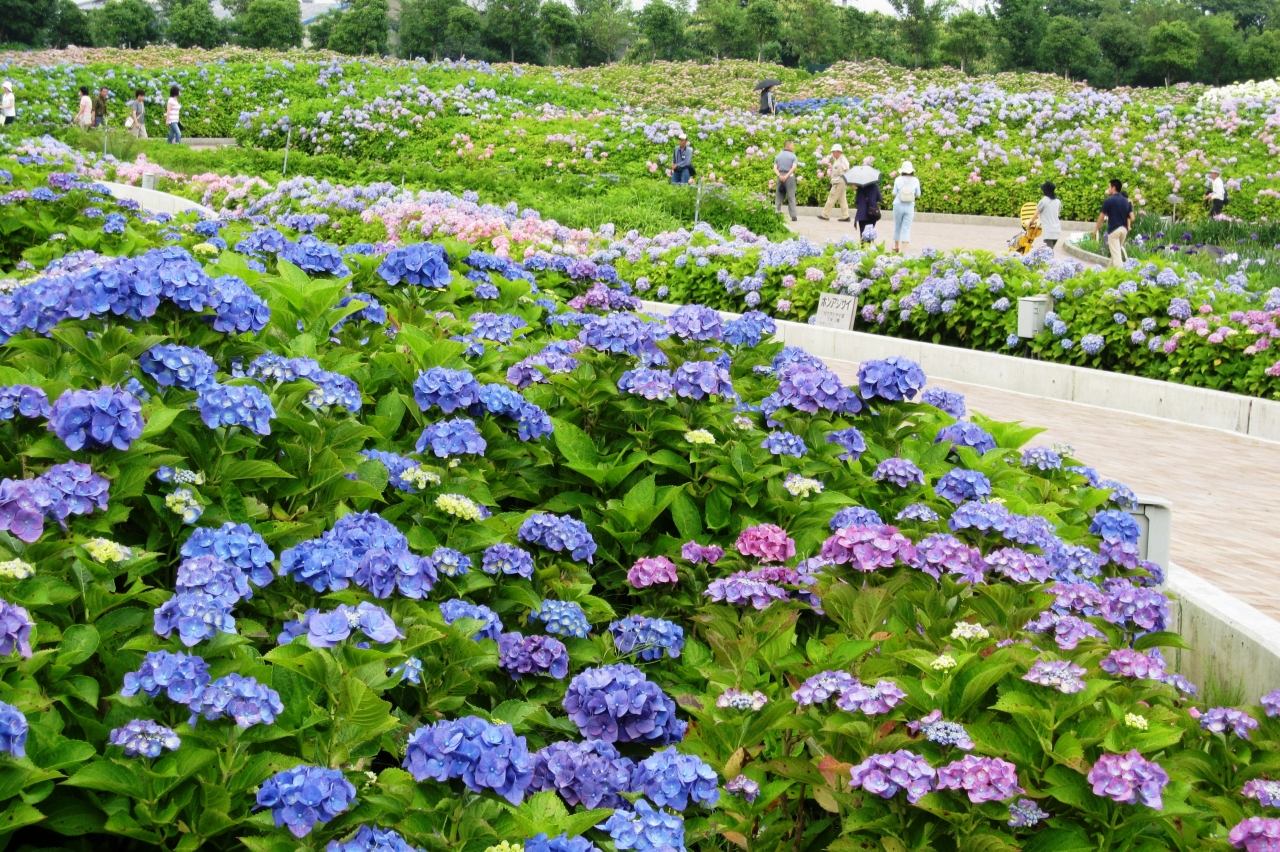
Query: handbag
{"x": 873, "y": 212}
{"x": 128, "y": 123}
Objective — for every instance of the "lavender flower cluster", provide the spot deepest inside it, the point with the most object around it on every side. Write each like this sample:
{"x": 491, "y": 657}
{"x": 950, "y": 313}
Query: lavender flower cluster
{"x": 485, "y": 756}
{"x": 617, "y": 703}
{"x": 363, "y": 548}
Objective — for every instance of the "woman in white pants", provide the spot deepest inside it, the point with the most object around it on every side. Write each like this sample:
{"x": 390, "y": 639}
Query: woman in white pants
{"x": 906, "y": 189}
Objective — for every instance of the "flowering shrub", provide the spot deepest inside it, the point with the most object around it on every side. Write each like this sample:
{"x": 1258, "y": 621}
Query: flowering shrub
{"x": 599, "y": 629}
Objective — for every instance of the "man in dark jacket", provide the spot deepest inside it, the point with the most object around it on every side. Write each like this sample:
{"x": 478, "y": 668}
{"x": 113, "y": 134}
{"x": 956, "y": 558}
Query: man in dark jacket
{"x": 100, "y": 108}
{"x": 766, "y": 101}
{"x": 682, "y": 161}
{"x": 866, "y": 206}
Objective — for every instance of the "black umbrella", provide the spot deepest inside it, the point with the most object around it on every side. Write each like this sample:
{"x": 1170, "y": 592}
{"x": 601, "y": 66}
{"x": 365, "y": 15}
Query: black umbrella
{"x": 767, "y": 84}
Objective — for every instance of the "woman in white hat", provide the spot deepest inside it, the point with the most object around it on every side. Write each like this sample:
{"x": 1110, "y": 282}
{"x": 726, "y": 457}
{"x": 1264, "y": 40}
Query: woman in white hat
{"x": 838, "y": 165}
{"x": 906, "y": 189}
{"x": 8, "y": 106}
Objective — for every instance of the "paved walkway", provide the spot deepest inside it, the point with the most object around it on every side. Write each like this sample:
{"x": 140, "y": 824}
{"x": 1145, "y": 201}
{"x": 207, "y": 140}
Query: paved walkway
{"x": 943, "y": 237}
{"x": 1224, "y": 488}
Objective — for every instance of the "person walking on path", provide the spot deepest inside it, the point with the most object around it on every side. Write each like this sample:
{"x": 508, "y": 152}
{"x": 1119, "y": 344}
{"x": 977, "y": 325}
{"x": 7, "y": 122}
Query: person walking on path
{"x": 906, "y": 189}
{"x": 8, "y": 106}
{"x": 866, "y": 207}
{"x": 682, "y": 161}
{"x": 839, "y": 190}
{"x": 1049, "y": 214}
{"x": 1117, "y": 214}
{"x": 138, "y": 114}
{"x": 100, "y": 108}
{"x": 173, "y": 116}
{"x": 766, "y": 101}
{"x": 784, "y": 170}
{"x": 1217, "y": 194}
{"x": 84, "y": 115}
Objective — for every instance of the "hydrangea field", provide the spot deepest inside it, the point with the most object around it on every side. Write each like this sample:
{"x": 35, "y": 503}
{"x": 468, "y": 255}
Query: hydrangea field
{"x": 443, "y": 543}
{"x": 981, "y": 145}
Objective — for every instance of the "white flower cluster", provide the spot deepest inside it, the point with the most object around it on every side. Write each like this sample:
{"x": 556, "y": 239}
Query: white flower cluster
{"x": 1267, "y": 90}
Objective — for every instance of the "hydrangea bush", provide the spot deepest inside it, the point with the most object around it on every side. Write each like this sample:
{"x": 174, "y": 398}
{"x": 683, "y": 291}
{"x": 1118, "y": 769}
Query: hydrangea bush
{"x": 292, "y": 624}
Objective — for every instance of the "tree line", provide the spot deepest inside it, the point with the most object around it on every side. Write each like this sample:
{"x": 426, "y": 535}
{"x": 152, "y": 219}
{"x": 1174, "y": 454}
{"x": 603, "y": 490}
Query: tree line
{"x": 1105, "y": 42}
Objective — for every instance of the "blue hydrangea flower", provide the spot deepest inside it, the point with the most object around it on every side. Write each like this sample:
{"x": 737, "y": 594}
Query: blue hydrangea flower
{"x": 242, "y": 698}
{"x": 671, "y": 779}
{"x": 520, "y": 655}
{"x": 898, "y": 471}
{"x": 181, "y": 677}
{"x": 236, "y": 405}
{"x": 959, "y": 485}
{"x": 423, "y": 264}
{"x": 851, "y": 440}
{"x": 855, "y": 516}
{"x": 312, "y": 255}
{"x": 590, "y": 773}
{"x": 696, "y": 322}
{"x": 144, "y": 738}
{"x": 23, "y": 399}
{"x": 186, "y": 367}
{"x": 448, "y": 389}
{"x": 490, "y": 627}
{"x": 396, "y": 466}
{"x": 449, "y": 438}
{"x": 650, "y": 638}
{"x": 650, "y": 384}
{"x": 373, "y": 311}
{"x": 237, "y": 308}
{"x": 894, "y": 379}
{"x": 485, "y": 756}
{"x": 645, "y": 829}
{"x": 1042, "y": 458}
{"x": 449, "y": 562}
{"x": 532, "y": 422}
{"x": 327, "y": 629}
{"x": 562, "y": 618}
{"x": 749, "y": 329}
{"x": 785, "y": 444}
{"x": 696, "y": 379}
{"x": 918, "y": 512}
{"x": 322, "y": 564}
{"x": 301, "y": 797}
{"x": 210, "y": 576}
{"x": 948, "y": 401}
{"x": 195, "y": 617}
{"x": 618, "y": 703}
{"x": 96, "y": 420}
{"x": 497, "y": 327}
{"x": 507, "y": 559}
{"x": 13, "y": 730}
{"x": 370, "y": 838}
{"x": 966, "y": 435}
{"x": 559, "y": 533}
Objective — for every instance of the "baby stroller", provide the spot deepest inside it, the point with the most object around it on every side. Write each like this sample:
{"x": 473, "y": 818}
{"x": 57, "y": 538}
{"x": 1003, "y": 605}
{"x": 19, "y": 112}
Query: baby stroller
{"x": 1022, "y": 243}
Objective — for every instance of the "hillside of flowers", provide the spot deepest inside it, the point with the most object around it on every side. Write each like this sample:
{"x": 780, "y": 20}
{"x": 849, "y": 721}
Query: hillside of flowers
{"x": 355, "y": 545}
{"x": 981, "y": 145}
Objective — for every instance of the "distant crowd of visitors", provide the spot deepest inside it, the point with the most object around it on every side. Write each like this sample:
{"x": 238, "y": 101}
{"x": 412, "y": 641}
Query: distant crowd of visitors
{"x": 93, "y": 112}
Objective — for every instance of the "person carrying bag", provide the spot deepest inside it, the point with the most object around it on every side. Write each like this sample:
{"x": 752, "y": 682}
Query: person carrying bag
{"x": 839, "y": 189}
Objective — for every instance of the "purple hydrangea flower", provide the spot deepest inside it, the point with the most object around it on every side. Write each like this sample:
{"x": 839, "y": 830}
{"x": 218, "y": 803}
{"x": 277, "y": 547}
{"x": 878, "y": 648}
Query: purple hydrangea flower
{"x": 96, "y": 420}
{"x": 964, "y": 434}
{"x": 645, "y": 829}
{"x": 695, "y": 322}
{"x": 1129, "y": 779}
{"x": 945, "y": 553}
{"x": 559, "y": 533}
{"x": 944, "y": 733}
{"x": 869, "y": 548}
{"x": 618, "y": 703}
{"x": 1266, "y": 792}
{"x": 1062, "y": 675}
{"x": 185, "y": 367}
{"x": 1271, "y": 703}
{"x": 855, "y": 516}
{"x": 305, "y": 795}
{"x": 851, "y": 440}
{"x": 743, "y": 786}
{"x": 144, "y": 738}
{"x": 886, "y": 775}
{"x": 507, "y": 559}
{"x": 918, "y": 512}
{"x": 589, "y": 773}
{"x": 1126, "y": 662}
{"x": 1256, "y": 834}
{"x": 818, "y": 688}
{"x": 696, "y": 379}
{"x": 894, "y": 379}
{"x": 696, "y": 553}
{"x": 958, "y": 486}
{"x": 369, "y": 838}
{"x": 209, "y": 575}
{"x": 648, "y": 383}
{"x": 985, "y": 779}
{"x": 1067, "y": 630}
{"x": 652, "y": 570}
{"x": 1025, "y": 814}
{"x": 871, "y": 700}
{"x": 1219, "y": 720}
{"x": 485, "y": 756}
{"x": 1018, "y": 565}
{"x": 1041, "y": 458}
{"x": 948, "y": 401}
{"x": 520, "y": 655}
{"x": 23, "y": 399}
{"x": 15, "y": 629}
{"x": 742, "y": 588}
{"x": 13, "y": 730}
{"x": 900, "y": 472}
{"x": 242, "y": 698}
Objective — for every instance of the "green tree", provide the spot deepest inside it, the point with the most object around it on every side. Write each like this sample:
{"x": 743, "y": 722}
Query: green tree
{"x": 557, "y": 26}
{"x": 1221, "y": 46}
{"x": 662, "y": 26}
{"x": 462, "y": 26}
{"x": 857, "y": 40}
{"x": 718, "y": 28}
{"x": 1248, "y": 14}
{"x": 1262, "y": 56}
{"x": 271, "y": 24}
{"x": 321, "y": 29}
{"x": 1120, "y": 41}
{"x": 1020, "y": 24}
{"x": 921, "y": 26}
{"x": 1066, "y": 47}
{"x": 363, "y": 29}
{"x": 812, "y": 30}
{"x": 513, "y": 23}
{"x": 423, "y": 25}
{"x": 968, "y": 39}
{"x": 1173, "y": 49}
{"x": 192, "y": 24}
{"x": 124, "y": 23}
{"x": 70, "y": 26}
{"x": 764, "y": 21}
{"x": 22, "y": 20}
{"x": 603, "y": 29}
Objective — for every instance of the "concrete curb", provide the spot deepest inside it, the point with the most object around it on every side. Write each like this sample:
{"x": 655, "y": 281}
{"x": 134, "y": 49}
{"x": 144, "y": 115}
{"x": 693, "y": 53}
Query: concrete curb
{"x": 1233, "y": 644}
{"x": 1257, "y": 418}
{"x": 966, "y": 219}
{"x": 1072, "y": 248}
{"x": 155, "y": 201}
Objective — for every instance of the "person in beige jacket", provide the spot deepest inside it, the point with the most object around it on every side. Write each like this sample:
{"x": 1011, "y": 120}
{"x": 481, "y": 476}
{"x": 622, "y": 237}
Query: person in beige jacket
{"x": 839, "y": 191}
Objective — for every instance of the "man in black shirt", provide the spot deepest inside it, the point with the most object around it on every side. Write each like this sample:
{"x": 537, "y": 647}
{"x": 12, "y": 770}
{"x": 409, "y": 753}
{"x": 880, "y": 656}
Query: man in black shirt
{"x": 1117, "y": 213}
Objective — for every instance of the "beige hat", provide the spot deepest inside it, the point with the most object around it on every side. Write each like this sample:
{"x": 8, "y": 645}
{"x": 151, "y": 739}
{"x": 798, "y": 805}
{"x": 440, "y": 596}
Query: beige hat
{"x": 1214, "y": 170}
{"x": 7, "y": 85}
{"x": 906, "y": 168}
{"x": 837, "y": 148}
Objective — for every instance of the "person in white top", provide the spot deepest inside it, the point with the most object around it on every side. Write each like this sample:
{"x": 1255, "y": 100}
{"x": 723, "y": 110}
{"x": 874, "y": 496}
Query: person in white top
{"x": 839, "y": 192}
{"x": 84, "y": 116}
{"x": 1217, "y": 194}
{"x": 8, "y": 106}
{"x": 906, "y": 189}
{"x": 1049, "y": 214}
{"x": 173, "y": 116}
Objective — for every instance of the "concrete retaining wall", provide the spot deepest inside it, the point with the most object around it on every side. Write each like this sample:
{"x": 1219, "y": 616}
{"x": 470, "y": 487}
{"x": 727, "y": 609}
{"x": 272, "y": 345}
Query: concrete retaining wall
{"x": 155, "y": 201}
{"x": 1258, "y": 418}
{"x": 1234, "y": 646}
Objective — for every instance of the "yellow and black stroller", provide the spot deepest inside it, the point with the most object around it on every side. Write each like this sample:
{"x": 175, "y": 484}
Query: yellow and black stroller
{"x": 1023, "y": 242}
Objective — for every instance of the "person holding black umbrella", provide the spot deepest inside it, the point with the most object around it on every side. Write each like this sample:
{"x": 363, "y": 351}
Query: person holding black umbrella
{"x": 866, "y": 206}
{"x": 765, "y": 88}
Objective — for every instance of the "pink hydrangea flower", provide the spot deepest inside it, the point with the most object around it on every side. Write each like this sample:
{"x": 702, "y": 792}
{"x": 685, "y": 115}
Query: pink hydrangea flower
{"x": 766, "y": 542}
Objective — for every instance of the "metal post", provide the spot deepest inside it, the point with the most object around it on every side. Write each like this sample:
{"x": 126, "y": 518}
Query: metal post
{"x": 287, "y": 139}
{"x": 697, "y": 205}
{"x": 104, "y": 137}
